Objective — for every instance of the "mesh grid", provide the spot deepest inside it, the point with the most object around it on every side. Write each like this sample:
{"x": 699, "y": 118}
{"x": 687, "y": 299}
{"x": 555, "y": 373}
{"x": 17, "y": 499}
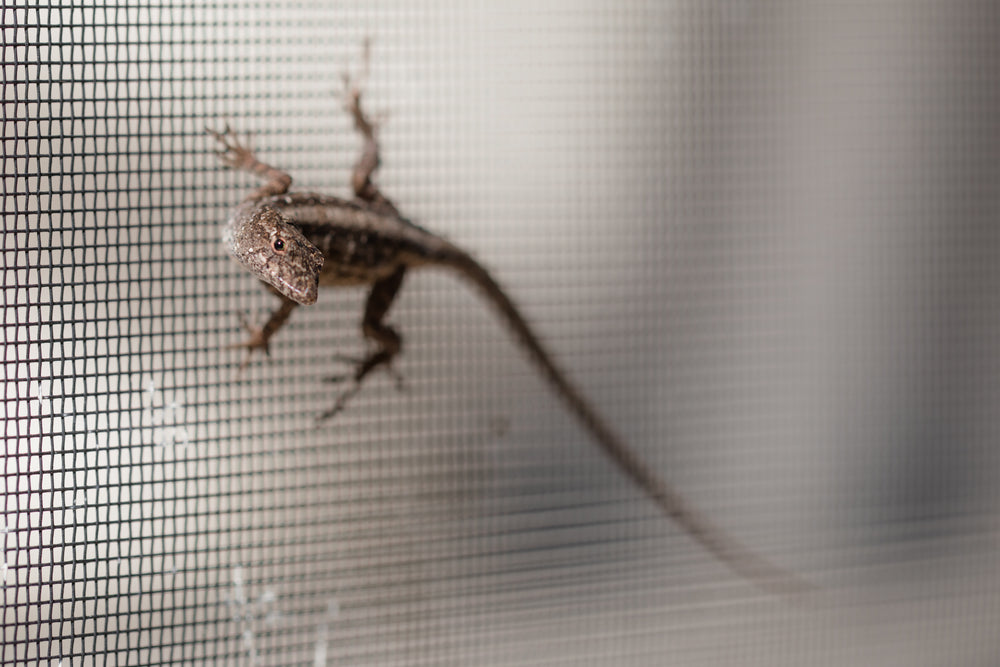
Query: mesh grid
{"x": 761, "y": 236}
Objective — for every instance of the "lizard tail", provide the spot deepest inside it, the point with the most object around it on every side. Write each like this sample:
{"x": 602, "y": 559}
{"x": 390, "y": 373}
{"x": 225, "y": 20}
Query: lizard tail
{"x": 729, "y": 551}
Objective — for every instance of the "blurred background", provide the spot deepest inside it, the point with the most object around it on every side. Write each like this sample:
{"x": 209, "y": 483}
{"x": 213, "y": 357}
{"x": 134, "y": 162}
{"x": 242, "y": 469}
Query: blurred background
{"x": 761, "y": 235}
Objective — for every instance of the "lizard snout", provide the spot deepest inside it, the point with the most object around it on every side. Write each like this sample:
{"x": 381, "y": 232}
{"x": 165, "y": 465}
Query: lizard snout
{"x": 297, "y": 272}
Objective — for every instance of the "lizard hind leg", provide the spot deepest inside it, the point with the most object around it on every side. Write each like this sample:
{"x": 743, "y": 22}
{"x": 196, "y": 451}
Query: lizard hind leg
{"x": 388, "y": 341}
{"x": 362, "y": 184}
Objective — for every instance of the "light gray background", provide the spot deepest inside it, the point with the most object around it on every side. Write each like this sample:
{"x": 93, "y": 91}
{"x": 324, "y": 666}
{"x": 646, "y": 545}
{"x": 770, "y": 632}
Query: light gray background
{"x": 761, "y": 235}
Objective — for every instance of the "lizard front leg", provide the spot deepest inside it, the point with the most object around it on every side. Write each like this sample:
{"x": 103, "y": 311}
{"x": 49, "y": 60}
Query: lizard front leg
{"x": 239, "y": 156}
{"x": 387, "y": 340}
{"x": 261, "y": 336}
{"x": 236, "y": 155}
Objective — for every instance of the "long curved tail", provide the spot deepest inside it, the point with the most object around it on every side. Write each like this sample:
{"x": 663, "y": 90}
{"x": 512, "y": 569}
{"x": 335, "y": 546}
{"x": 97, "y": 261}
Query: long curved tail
{"x": 741, "y": 560}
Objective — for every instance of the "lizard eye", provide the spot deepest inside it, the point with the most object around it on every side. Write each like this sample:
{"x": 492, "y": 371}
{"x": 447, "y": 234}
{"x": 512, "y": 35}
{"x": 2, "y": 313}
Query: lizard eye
{"x": 278, "y": 245}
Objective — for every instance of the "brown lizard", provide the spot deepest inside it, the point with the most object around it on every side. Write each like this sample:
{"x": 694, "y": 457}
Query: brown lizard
{"x": 296, "y": 241}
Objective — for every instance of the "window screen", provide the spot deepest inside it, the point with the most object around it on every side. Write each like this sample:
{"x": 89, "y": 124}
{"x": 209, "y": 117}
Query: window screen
{"x": 761, "y": 236}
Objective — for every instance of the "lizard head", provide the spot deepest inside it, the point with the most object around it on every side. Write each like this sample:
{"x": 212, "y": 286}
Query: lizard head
{"x": 274, "y": 250}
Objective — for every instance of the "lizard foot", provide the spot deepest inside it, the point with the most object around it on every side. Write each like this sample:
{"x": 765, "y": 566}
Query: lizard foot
{"x": 354, "y": 88}
{"x": 363, "y": 367}
{"x": 231, "y": 151}
{"x": 341, "y": 401}
{"x": 257, "y": 340}
{"x": 354, "y": 85}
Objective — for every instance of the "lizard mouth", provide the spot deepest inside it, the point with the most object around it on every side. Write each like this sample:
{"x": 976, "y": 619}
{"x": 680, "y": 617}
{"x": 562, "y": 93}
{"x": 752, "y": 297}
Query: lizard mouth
{"x": 303, "y": 290}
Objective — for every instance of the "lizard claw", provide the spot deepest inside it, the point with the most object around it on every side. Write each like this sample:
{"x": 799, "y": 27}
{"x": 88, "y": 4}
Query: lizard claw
{"x": 347, "y": 395}
{"x": 354, "y": 86}
{"x": 339, "y": 404}
{"x": 363, "y": 367}
{"x": 397, "y": 377}
{"x": 344, "y": 359}
{"x": 256, "y": 341}
{"x": 231, "y": 151}
{"x": 361, "y": 371}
